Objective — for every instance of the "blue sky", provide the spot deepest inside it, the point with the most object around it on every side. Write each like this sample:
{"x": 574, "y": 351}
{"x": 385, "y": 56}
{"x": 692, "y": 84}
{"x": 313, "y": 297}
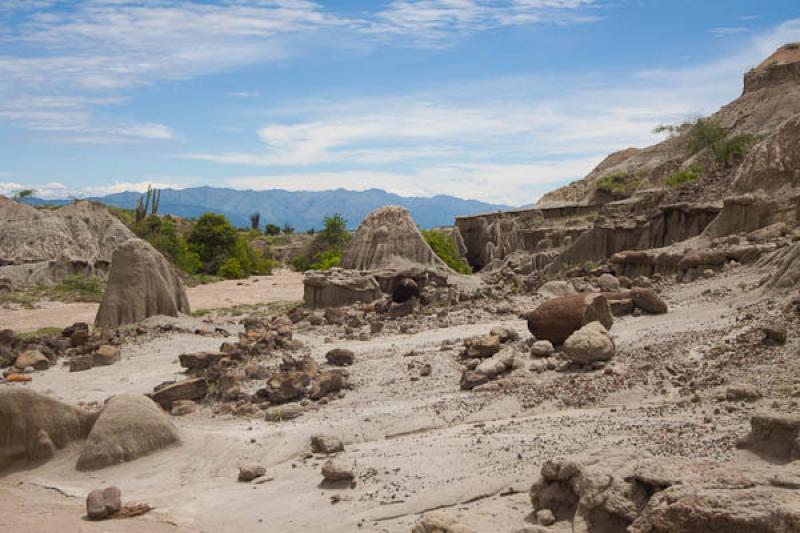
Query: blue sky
{"x": 497, "y": 100}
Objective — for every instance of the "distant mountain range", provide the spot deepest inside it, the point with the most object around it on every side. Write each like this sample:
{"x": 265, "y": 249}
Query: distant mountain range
{"x": 301, "y": 210}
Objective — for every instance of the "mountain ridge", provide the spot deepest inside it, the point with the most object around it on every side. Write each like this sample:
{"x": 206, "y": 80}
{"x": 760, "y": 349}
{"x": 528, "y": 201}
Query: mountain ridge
{"x": 302, "y": 210}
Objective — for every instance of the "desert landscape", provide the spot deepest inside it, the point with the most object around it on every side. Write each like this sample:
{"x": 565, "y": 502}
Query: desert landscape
{"x": 620, "y": 357}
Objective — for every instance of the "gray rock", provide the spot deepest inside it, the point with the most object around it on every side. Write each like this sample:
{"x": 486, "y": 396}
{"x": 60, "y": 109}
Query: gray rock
{"x": 103, "y": 503}
{"x": 589, "y": 344}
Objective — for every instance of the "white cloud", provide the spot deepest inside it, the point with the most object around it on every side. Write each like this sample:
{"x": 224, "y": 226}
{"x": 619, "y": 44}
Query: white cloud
{"x": 509, "y": 184}
{"x": 146, "y": 130}
{"x": 60, "y": 191}
{"x": 473, "y": 143}
{"x": 728, "y": 31}
{"x": 433, "y": 22}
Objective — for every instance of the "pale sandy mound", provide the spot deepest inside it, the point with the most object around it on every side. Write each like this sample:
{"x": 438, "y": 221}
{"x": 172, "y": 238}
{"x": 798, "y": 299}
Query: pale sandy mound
{"x": 141, "y": 284}
{"x": 386, "y": 235}
{"x": 34, "y": 425}
{"x": 130, "y": 426}
{"x": 45, "y": 245}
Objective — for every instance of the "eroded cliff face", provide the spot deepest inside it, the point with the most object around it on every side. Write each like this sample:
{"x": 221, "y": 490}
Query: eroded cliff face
{"x": 45, "y": 245}
{"x": 494, "y": 236}
{"x": 627, "y": 209}
{"x": 770, "y": 98}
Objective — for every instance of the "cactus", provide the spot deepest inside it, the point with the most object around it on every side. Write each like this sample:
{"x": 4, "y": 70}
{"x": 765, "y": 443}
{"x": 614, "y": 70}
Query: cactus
{"x": 150, "y": 200}
{"x": 156, "y": 201}
{"x": 255, "y": 219}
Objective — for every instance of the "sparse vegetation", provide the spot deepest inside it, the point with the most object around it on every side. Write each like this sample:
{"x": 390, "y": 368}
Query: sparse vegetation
{"x": 325, "y": 250}
{"x": 681, "y": 177}
{"x": 444, "y": 247}
{"x": 272, "y": 230}
{"x": 621, "y": 183}
{"x": 705, "y": 133}
{"x": 792, "y": 46}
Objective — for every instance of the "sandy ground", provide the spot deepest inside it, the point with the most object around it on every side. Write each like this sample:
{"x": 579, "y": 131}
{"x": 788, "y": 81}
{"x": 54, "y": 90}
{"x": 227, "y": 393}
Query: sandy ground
{"x": 283, "y": 286}
{"x": 415, "y": 445}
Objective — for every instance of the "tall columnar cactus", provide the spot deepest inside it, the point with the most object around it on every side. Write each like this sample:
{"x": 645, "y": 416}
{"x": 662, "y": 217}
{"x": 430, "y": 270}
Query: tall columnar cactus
{"x": 255, "y": 220}
{"x": 141, "y": 209}
{"x": 150, "y": 200}
{"x": 156, "y": 201}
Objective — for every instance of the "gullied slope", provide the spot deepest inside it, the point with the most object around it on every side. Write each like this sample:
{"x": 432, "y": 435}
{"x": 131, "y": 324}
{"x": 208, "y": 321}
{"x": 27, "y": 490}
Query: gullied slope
{"x": 48, "y": 244}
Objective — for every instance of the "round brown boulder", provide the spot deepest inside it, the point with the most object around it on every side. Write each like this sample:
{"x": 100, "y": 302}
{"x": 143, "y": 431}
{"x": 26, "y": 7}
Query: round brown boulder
{"x": 556, "y": 319}
{"x": 648, "y": 300}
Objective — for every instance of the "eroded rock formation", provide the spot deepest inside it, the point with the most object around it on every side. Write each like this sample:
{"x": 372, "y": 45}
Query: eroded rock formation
{"x": 387, "y": 235}
{"x": 141, "y": 284}
{"x": 46, "y": 245}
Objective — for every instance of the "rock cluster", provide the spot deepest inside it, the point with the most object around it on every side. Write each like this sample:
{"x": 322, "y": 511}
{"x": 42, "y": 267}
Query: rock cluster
{"x": 625, "y": 491}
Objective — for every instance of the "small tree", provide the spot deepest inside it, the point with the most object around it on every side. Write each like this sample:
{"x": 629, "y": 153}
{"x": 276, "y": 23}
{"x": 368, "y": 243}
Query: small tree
{"x": 272, "y": 229}
{"x": 22, "y": 194}
{"x": 213, "y": 238}
{"x": 255, "y": 220}
{"x": 287, "y": 229}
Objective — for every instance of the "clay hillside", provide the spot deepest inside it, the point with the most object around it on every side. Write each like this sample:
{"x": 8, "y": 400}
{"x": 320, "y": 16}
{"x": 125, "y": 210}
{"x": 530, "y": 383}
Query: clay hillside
{"x": 734, "y": 171}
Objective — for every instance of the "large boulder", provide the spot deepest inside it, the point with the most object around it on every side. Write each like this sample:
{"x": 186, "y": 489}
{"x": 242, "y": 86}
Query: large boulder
{"x": 556, "y": 319}
{"x": 648, "y": 300}
{"x": 141, "y": 284}
{"x": 130, "y": 426}
{"x": 34, "y": 425}
{"x": 386, "y": 238}
{"x": 336, "y": 288}
{"x": 589, "y": 344}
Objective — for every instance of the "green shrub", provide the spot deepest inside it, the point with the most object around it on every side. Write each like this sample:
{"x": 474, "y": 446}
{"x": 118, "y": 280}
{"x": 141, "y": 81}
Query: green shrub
{"x": 230, "y": 269}
{"x": 444, "y": 247}
{"x": 81, "y": 287}
{"x": 683, "y": 176}
{"x": 326, "y": 260}
{"x": 326, "y": 248}
{"x": 272, "y": 229}
{"x": 792, "y": 46}
{"x": 732, "y": 149}
{"x": 618, "y": 183}
{"x": 213, "y": 239}
{"x": 162, "y": 234}
{"x": 704, "y": 133}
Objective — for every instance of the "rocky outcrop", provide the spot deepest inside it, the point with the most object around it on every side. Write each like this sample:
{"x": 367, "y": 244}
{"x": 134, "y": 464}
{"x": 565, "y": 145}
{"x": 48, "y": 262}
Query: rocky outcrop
{"x": 774, "y": 436}
{"x": 771, "y": 96}
{"x": 336, "y": 288}
{"x": 130, "y": 426}
{"x": 35, "y": 425}
{"x": 494, "y": 236}
{"x": 46, "y": 245}
{"x": 141, "y": 284}
{"x": 774, "y": 163}
{"x": 669, "y": 224}
{"x": 625, "y": 491}
{"x": 387, "y": 235}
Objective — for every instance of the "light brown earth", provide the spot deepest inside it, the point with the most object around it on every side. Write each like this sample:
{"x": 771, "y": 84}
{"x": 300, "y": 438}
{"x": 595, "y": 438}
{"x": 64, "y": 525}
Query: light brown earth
{"x": 415, "y": 444}
{"x": 282, "y": 286}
